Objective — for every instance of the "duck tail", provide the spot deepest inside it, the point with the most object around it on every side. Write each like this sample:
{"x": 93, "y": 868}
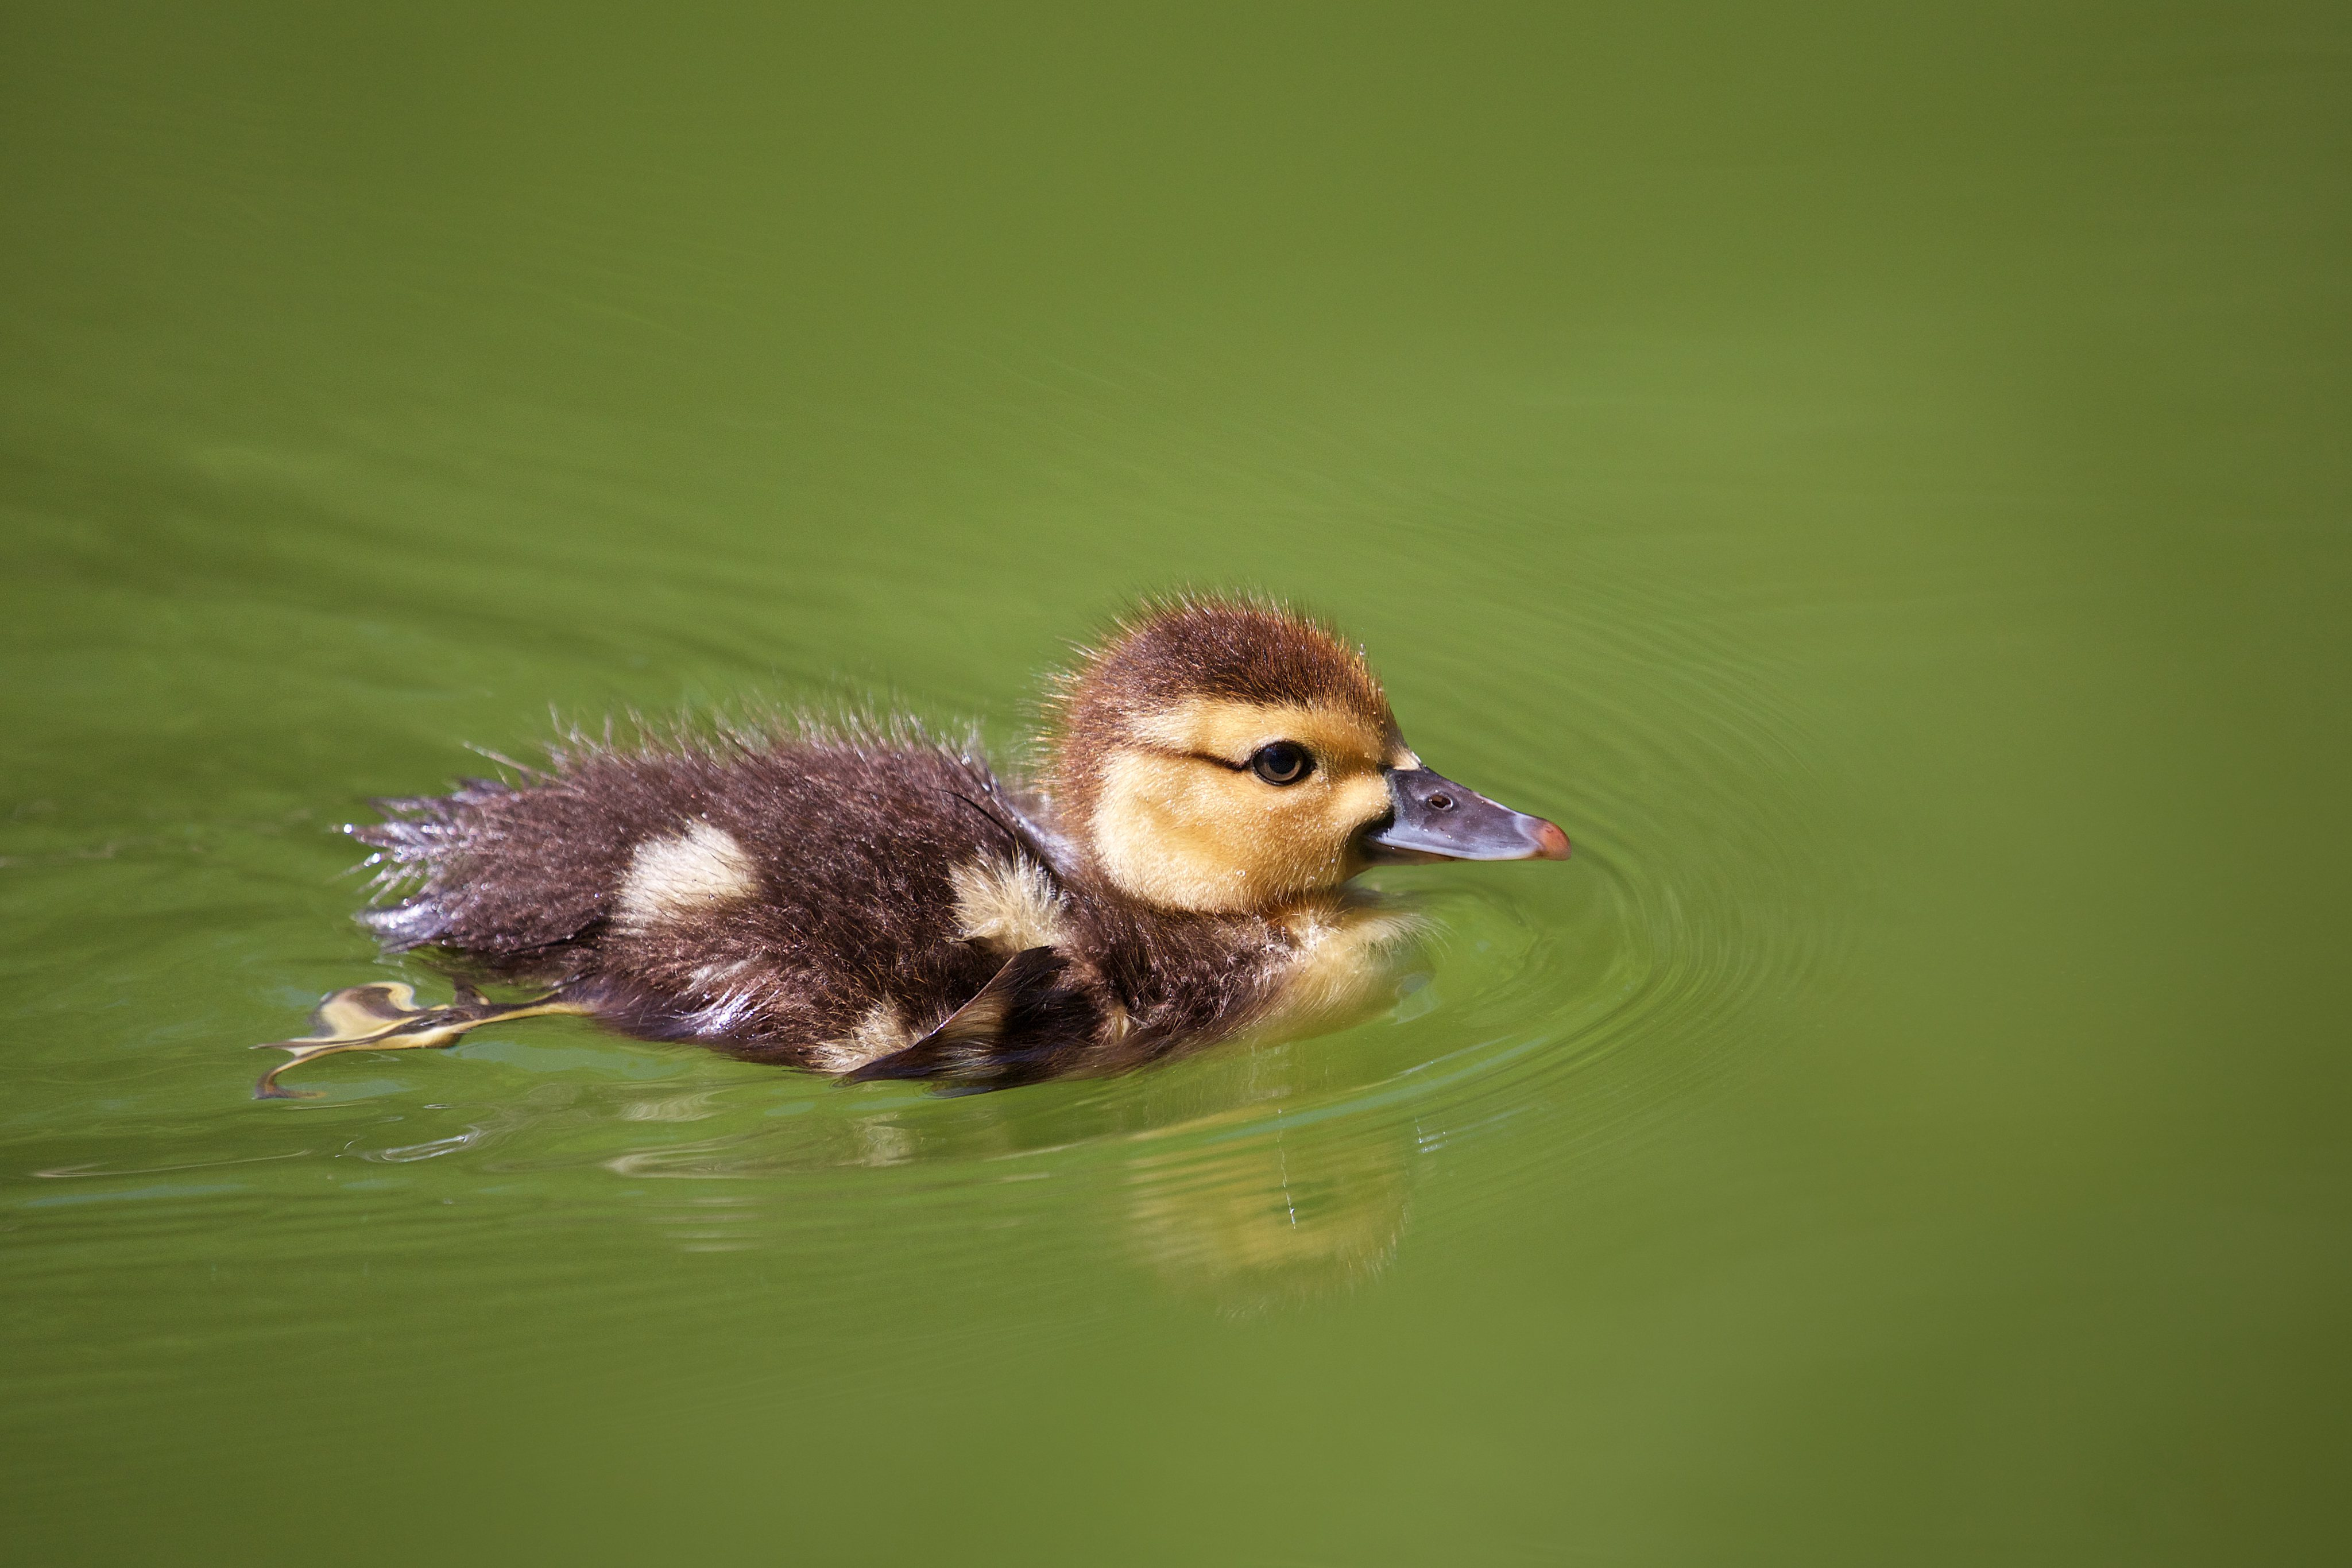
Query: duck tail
{"x": 419, "y": 835}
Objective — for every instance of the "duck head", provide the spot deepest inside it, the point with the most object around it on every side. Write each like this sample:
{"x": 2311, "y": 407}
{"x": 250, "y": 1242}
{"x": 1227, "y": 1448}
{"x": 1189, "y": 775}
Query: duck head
{"x": 1227, "y": 755}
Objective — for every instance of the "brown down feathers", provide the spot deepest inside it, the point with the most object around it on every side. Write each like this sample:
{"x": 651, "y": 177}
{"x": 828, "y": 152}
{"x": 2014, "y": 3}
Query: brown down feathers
{"x": 851, "y": 835}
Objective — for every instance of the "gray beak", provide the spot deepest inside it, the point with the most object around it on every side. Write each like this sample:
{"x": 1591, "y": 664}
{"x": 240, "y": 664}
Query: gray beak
{"x": 1436, "y": 819}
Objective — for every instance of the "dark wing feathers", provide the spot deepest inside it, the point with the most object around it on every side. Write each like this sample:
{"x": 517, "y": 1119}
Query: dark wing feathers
{"x": 1018, "y": 1028}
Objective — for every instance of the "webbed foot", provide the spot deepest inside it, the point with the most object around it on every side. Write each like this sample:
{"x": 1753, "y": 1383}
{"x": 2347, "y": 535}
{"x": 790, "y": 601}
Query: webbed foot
{"x": 381, "y": 1015}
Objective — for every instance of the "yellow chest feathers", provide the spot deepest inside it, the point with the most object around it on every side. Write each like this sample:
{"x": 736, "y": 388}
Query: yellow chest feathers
{"x": 1344, "y": 948}
{"x": 1337, "y": 949}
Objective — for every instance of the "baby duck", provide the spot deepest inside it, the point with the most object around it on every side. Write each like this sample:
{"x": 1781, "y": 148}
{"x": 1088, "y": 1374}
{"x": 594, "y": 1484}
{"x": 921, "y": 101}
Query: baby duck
{"x": 875, "y": 903}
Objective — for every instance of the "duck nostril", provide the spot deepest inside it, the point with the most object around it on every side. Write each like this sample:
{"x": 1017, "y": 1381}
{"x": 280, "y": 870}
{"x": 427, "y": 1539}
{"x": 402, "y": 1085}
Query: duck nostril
{"x": 1441, "y": 802}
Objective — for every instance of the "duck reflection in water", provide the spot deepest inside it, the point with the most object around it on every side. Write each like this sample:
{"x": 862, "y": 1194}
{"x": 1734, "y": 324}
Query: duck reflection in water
{"x": 1270, "y": 1219}
{"x": 871, "y": 903}
{"x": 1244, "y": 1184}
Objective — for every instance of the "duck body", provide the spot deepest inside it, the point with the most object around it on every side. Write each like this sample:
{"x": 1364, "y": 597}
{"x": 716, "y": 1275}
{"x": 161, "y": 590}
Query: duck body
{"x": 827, "y": 901}
{"x": 874, "y": 903}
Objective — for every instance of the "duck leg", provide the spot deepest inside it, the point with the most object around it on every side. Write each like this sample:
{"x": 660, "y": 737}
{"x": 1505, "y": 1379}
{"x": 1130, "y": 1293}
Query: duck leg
{"x": 381, "y": 1015}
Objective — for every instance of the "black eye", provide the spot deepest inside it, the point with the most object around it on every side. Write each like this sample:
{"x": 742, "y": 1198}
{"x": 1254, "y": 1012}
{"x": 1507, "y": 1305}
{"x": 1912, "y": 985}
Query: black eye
{"x": 1282, "y": 763}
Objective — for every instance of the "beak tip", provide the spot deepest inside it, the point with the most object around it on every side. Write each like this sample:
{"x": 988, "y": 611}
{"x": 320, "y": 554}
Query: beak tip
{"x": 1552, "y": 844}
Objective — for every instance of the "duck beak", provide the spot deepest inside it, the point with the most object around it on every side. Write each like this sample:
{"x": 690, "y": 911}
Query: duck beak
{"x": 1434, "y": 819}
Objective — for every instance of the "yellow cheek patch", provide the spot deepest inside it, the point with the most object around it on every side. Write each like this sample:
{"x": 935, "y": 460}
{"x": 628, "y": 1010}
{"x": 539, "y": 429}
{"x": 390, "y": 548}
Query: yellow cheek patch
{"x": 1356, "y": 802}
{"x": 1158, "y": 830}
{"x": 1181, "y": 821}
{"x": 1189, "y": 834}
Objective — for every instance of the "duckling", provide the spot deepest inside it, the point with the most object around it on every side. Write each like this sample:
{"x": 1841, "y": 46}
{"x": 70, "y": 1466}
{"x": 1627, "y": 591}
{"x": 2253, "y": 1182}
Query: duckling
{"x": 869, "y": 901}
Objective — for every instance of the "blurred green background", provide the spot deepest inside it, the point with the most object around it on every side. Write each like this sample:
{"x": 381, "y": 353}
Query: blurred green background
{"x": 1877, "y": 476}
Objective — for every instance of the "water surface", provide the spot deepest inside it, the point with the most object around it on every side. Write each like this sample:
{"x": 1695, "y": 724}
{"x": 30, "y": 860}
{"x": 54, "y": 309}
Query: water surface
{"x": 1878, "y": 482}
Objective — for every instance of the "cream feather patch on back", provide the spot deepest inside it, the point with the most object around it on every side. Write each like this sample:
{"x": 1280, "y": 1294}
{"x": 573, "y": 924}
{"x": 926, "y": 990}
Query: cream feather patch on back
{"x": 1011, "y": 905}
{"x": 671, "y": 879}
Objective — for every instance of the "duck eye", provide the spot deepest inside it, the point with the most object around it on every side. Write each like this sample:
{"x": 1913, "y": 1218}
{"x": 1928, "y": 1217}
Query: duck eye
{"x": 1282, "y": 763}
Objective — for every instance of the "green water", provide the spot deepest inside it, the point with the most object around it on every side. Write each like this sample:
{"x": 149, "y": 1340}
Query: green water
{"x": 1877, "y": 476}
